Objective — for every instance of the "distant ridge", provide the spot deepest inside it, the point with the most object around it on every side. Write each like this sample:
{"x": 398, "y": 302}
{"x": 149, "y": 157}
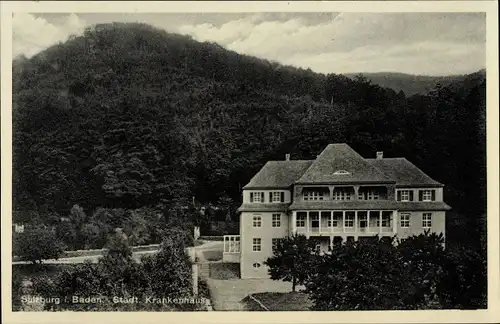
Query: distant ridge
{"x": 412, "y": 84}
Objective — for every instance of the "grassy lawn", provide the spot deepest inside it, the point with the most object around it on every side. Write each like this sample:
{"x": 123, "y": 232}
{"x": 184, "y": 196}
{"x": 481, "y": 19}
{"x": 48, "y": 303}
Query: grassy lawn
{"x": 274, "y": 301}
{"x": 215, "y": 255}
{"x": 225, "y": 270}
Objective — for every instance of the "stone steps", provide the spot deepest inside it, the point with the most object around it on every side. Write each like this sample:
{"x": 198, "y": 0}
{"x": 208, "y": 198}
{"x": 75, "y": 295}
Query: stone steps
{"x": 204, "y": 270}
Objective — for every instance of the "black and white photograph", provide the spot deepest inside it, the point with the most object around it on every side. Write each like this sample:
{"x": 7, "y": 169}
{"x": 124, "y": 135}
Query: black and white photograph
{"x": 251, "y": 161}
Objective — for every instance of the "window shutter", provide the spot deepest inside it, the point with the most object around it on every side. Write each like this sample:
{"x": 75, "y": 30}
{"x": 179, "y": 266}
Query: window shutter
{"x": 262, "y": 197}
{"x": 420, "y": 195}
{"x": 433, "y": 195}
{"x": 282, "y": 197}
{"x": 270, "y": 197}
{"x": 411, "y": 195}
{"x": 399, "y": 196}
{"x": 251, "y": 197}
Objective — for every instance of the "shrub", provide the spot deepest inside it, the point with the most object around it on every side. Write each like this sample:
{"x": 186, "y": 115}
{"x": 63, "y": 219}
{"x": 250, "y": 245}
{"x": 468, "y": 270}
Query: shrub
{"x": 356, "y": 276}
{"x": 115, "y": 274}
{"x": 464, "y": 284}
{"x": 17, "y": 285}
{"x": 179, "y": 234}
{"x": 417, "y": 273}
{"x": 423, "y": 259}
{"x": 66, "y": 233}
{"x": 37, "y": 243}
{"x": 169, "y": 271}
{"x": 136, "y": 228}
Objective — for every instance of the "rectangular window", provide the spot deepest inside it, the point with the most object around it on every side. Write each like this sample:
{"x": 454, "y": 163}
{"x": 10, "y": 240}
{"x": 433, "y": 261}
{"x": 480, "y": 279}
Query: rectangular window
{"x": 427, "y": 220}
{"x": 327, "y": 216}
{"x": 362, "y": 219}
{"x": 276, "y": 197}
{"x": 372, "y": 195}
{"x": 256, "y": 197}
{"x": 275, "y": 243}
{"x": 314, "y": 220}
{"x": 427, "y": 195}
{"x": 337, "y": 219}
{"x": 276, "y": 221}
{"x": 405, "y": 195}
{"x": 301, "y": 220}
{"x": 386, "y": 220}
{"x": 313, "y": 195}
{"x": 341, "y": 195}
{"x": 257, "y": 221}
{"x": 349, "y": 220}
{"x": 257, "y": 244}
{"x": 405, "y": 220}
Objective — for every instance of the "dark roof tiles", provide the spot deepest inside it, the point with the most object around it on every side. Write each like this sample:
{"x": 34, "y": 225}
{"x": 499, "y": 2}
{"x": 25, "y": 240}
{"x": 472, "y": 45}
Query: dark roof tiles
{"x": 278, "y": 174}
{"x": 337, "y": 158}
{"x": 403, "y": 172}
{"x": 339, "y": 164}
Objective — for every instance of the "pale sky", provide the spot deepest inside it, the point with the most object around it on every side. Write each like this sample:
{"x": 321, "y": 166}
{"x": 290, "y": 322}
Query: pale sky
{"x": 415, "y": 43}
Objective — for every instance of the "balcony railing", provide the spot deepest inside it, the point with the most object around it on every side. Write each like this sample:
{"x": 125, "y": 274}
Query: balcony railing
{"x": 369, "y": 222}
{"x": 345, "y": 193}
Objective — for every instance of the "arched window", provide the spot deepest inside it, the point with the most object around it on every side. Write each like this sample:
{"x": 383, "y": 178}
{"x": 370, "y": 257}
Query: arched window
{"x": 341, "y": 172}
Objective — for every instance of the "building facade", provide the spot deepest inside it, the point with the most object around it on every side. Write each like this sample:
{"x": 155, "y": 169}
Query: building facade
{"x": 336, "y": 197}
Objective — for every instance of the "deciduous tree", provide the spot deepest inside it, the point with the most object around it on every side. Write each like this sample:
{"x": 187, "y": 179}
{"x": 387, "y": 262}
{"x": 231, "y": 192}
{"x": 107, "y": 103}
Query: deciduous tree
{"x": 292, "y": 258}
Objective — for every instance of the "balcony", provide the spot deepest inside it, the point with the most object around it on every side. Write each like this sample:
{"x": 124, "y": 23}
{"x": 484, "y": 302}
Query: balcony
{"x": 344, "y": 193}
{"x": 335, "y": 222}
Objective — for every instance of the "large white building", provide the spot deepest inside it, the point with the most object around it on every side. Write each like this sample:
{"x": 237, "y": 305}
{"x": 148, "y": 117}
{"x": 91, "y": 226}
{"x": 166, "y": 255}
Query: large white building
{"x": 338, "y": 196}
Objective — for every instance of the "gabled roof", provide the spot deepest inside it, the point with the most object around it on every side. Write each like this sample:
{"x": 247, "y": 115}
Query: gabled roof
{"x": 403, "y": 172}
{"x": 330, "y": 165}
{"x": 278, "y": 174}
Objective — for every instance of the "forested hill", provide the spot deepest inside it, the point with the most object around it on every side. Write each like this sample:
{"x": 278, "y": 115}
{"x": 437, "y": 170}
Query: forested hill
{"x": 416, "y": 84}
{"x": 129, "y": 116}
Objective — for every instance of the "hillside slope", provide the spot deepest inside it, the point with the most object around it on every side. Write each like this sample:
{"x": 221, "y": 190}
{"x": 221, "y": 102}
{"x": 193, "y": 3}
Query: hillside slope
{"x": 128, "y": 116}
{"x": 413, "y": 84}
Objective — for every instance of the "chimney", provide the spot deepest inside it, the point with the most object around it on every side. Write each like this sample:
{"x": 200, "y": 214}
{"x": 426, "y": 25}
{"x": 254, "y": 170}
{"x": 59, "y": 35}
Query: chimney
{"x": 287, "y": 157}
{"x": 380, "y": 155}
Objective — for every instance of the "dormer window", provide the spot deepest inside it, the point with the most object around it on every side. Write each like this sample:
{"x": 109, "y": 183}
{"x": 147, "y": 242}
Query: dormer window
{"x": 341, "y": 172}
{"x": 427, "y": 195}
{"x": 276, "y": 197}
{"x": 257, "y": 197}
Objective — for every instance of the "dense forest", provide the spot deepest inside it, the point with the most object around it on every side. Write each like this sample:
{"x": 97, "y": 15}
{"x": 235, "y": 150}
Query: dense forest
{"x": 416, "y": 84}
{"x": 128, "y": 117}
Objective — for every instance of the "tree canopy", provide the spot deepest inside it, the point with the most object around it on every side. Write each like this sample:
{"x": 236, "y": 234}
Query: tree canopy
{"x": 127, "y": 116}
